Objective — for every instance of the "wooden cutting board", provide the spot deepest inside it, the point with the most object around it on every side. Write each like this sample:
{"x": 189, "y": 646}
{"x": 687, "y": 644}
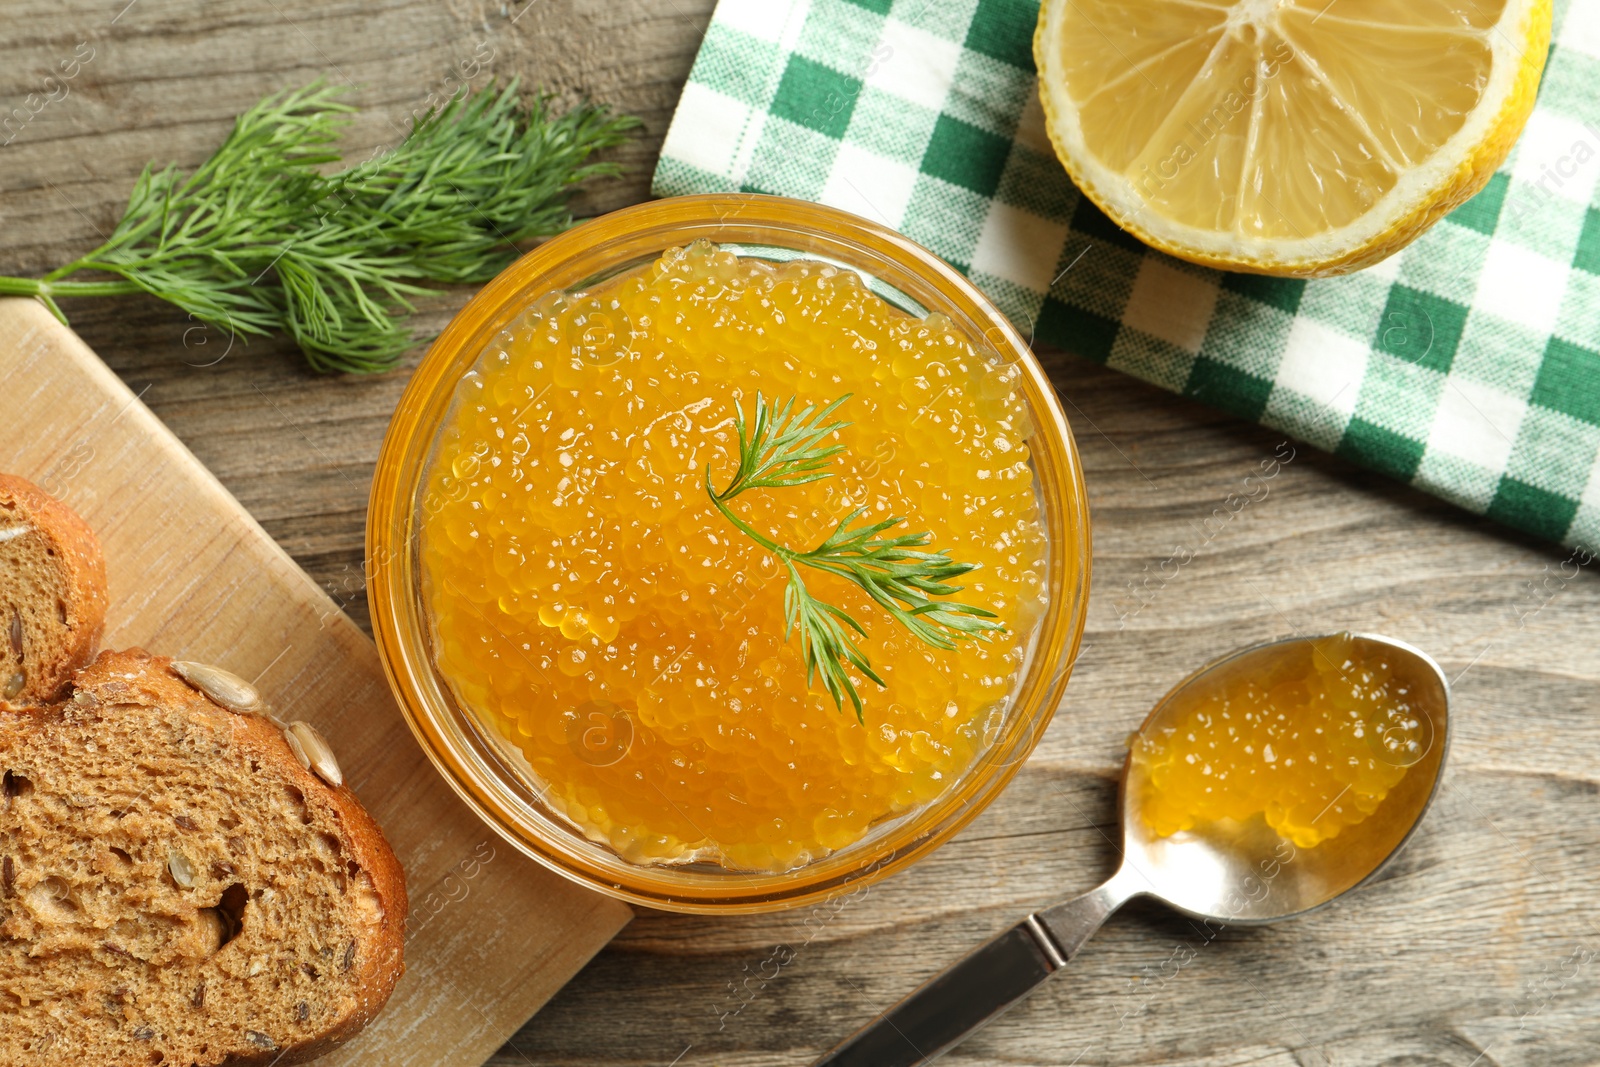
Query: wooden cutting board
{"x": 491, "y": 934}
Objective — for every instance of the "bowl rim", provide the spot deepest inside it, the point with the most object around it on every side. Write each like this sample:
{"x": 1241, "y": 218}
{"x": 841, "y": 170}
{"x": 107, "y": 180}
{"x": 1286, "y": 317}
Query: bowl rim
{"x": 393, "y": 507}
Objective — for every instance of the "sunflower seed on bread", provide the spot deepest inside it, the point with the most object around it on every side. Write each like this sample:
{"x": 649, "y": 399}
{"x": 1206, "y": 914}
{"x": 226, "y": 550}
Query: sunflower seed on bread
{"x": 318, "y": 757}
{"x": 225, "y": 687}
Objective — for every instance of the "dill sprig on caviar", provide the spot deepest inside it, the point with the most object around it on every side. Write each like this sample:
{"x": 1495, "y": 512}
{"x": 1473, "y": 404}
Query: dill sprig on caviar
{"x": 782, "y": 447}
{"x": 259, "y": 240}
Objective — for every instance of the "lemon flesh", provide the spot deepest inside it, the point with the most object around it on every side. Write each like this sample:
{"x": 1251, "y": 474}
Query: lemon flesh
{"x": 1282, "y": 136}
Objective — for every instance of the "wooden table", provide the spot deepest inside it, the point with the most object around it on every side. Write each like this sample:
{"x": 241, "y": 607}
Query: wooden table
{"x": 1479, "y": 947}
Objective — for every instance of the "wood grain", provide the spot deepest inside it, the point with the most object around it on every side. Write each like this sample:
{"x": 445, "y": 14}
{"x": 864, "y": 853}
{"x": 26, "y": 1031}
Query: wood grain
{"x": 1477, "y": 950}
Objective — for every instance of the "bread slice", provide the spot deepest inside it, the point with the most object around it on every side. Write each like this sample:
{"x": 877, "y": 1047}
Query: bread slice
{"x": 52, "y": 594}
{"x": 176, "y": 888}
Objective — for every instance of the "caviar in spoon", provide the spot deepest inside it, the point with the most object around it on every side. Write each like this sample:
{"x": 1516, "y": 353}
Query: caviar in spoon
{"x": 1312, "y": 745}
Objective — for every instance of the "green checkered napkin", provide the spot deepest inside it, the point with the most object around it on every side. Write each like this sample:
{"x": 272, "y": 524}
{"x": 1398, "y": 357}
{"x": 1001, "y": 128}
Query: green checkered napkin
{"x": 1466, "y": 365}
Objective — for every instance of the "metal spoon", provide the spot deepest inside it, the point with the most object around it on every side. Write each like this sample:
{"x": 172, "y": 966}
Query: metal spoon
{"x": 1245, "y": 877}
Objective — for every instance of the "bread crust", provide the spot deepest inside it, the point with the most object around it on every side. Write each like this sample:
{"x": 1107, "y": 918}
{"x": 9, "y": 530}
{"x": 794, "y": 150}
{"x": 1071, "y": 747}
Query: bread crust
{"x": 134, "y": 677}
{"x": 77, "y": 551}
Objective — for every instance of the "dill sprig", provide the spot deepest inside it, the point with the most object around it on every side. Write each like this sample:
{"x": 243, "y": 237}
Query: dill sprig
{"x": 258, "y": 239}
{"x": 782, "y": 447}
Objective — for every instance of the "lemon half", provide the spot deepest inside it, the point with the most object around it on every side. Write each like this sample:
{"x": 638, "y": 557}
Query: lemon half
{"x": 1286, "y": 137}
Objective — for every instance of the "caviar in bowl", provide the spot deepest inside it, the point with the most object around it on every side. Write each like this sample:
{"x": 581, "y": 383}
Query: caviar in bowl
{"x": 602, "y": 656}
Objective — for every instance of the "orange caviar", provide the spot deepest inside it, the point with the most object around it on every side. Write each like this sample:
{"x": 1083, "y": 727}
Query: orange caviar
{"x": 588, "y": 600}
{"x": 1313, "y": 746}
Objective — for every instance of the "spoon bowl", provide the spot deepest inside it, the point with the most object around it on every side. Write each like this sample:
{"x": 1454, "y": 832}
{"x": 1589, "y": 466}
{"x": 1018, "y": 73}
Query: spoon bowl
{"x": 1248, "y": 873}
{"x": 1229, "y": 872}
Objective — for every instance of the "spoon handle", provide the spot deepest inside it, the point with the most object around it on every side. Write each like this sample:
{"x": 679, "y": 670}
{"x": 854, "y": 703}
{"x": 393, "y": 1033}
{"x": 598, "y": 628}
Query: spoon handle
{"x": 959, "y": 1000}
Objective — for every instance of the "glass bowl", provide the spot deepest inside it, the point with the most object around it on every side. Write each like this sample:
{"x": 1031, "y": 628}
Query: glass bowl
{"x": 476, "y": 760}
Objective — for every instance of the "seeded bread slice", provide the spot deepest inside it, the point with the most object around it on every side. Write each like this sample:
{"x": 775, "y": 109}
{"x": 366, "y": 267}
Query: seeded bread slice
{"x": 52, "y": 594}
{"x": 175, "y": 888}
